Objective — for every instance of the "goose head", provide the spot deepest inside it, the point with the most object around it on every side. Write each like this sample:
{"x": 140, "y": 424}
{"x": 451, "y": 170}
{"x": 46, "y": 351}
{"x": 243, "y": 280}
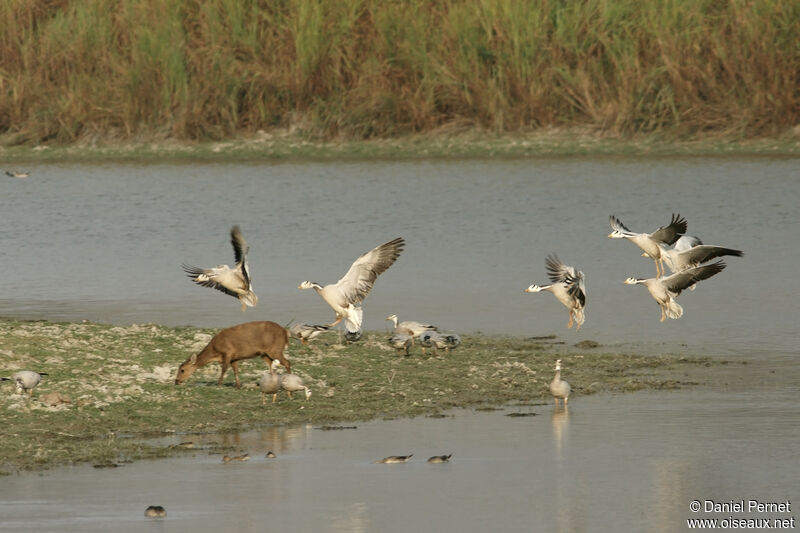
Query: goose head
{"x": 309, "y": 285}
{"x": 633, "y": 281}
{"x": 533, "y": 288}
{"x": 616, "y": 234}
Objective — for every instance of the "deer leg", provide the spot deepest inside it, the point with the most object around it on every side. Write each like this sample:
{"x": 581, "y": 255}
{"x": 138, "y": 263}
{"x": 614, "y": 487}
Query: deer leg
{"x": 235, "y": 366}
{"x": 225, "y": 365}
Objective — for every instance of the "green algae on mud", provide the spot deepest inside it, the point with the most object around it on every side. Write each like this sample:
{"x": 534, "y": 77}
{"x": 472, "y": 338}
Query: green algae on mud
{"x": 110, "y": 387}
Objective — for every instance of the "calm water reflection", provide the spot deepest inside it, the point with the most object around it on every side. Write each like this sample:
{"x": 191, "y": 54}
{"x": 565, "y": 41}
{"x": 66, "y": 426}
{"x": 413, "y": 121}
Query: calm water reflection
{"x": 611, "y": 463}
{"x": 105, "y": 242}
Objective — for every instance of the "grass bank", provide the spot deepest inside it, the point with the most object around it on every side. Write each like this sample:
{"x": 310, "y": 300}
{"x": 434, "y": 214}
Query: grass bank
{"x": 108, "y": 386}
{"x": 191, "y": 70}
{"x": 440, "y": 144}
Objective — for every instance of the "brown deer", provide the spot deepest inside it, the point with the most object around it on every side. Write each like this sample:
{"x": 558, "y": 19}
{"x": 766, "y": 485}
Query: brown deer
{"x": 233, "y": 344}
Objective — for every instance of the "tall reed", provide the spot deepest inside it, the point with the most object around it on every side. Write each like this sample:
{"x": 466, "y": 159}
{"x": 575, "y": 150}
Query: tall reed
{"x": 195, "y": 69}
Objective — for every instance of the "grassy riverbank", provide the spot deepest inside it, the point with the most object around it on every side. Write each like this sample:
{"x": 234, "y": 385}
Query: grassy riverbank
{"x": 117, "y": 71}
{"x": 108, "y": 384}
{"x": 470, "y": 143}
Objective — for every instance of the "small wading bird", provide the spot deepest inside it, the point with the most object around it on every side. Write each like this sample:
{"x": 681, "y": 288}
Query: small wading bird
{"x": 401, "y": 342}
{"x": 155, "y": 511}
{"x": 393, "y": 459}
{"x": 26, "y": 380}
{"x": 665, "y": 290}
{"x": 345, "y": 296}
{"x": 232, "y": 281}
{"x": 648, "y": 242}
{"x": 568, "y": 287}
{"x": 559, "y": 388}
{"x": 439, "y": 341}
{"x": 17, "y": 174}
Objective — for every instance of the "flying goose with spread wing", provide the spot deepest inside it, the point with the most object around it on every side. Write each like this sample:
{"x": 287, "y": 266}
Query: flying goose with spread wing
{"x": 679, "y": 260}
{"x": 568, "y": 286}
{"x": 648, "y": 242}
{"x": 345, "y": 296}
{"x": 232, "y": 281}
{"x": 665, "y": 289}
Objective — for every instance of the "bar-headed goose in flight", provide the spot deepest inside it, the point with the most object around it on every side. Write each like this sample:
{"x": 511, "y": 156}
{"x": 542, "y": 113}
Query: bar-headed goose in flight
{"x": 648, "y": 242}
{"x": 568, "y": 287}
{"x": 345, "y": 296}
{"x": 665, "y": 290}
{"x": 679, "y": 260}
{"x": 233, "y": 281}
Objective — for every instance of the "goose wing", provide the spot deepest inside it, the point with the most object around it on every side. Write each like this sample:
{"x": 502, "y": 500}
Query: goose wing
{"x": 240, "y": 249}
{"x": 706, "y": 252}
{"x": 221, "y": 278}
{"x": 682, "y": 280}
{"x": 557, "y": 271}
{"x": 671, "y": 233}
{"x": 577, "y": 287}
{"x": 617, "y": 225}
{"x": 358, "y": 281}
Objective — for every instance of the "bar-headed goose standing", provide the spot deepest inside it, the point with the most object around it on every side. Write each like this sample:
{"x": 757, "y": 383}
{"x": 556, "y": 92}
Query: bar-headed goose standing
{"x": 233, "y": 281}
{"x": 345, "y": 296}
{"x": 559, "y": 388}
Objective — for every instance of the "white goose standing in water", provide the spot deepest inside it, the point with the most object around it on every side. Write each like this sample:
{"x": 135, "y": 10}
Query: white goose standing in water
{"x": 648, "y": 242}
{"x": 345, "y": 296}
{"x": 232, "y": 281}
{"x": 559, "y": 388}
{"x": 665, "y": 290}
{"x": 568, "y": 287}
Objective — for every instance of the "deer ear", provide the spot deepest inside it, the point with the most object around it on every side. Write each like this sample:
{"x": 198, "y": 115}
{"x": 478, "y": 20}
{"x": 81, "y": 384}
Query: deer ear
{"x": 193, "y": 359}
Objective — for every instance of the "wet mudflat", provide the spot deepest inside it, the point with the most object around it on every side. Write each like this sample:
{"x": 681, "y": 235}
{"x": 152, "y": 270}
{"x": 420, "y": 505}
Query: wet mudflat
{"x": 610, "y": 462}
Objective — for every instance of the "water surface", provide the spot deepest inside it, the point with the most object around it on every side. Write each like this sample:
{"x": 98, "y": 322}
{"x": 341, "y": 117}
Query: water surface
{"x": 105, "y": 242}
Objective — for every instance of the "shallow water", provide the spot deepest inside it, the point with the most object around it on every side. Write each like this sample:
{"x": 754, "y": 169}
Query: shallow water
{"x": 629, "y": 462}
{"x": 105, "y": 243}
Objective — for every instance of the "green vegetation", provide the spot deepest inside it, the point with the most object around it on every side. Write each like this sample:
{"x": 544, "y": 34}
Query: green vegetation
{"x": 108, "y": 386}
{"x": 110, "y": 71}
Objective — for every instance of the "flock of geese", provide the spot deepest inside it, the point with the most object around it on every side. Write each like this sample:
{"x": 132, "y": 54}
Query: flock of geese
{"x": 686, "y": 256}
{"x": 344, "y": 297}
{"x": 668, "y": 246}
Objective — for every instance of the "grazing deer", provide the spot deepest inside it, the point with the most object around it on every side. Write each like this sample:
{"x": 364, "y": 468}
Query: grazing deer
{"x": 236, "y": 343}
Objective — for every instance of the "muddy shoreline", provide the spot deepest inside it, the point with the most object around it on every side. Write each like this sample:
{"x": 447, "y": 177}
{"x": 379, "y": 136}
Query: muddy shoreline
{"x": 108, "y": 383}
